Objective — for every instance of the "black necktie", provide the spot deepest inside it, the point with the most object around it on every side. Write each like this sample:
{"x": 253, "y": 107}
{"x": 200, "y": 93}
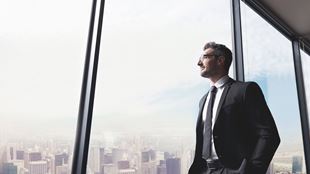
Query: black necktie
{"x": 206, "y": 148}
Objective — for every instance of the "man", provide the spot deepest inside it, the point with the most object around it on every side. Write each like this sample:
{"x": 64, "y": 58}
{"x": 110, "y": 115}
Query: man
{"x": 235, "y": 130}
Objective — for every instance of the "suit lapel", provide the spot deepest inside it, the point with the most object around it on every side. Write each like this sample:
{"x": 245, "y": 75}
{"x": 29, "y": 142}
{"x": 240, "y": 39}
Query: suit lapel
{"x": 224, "y": 94}
{"x": 204, "y": 98}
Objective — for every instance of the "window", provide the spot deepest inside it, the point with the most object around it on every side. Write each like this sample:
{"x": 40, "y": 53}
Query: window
{"x": 148, "y": 84}
{"x": 305, "y": 60}
{"x": 268, "y": 60}
{"x": 42, "y": 53}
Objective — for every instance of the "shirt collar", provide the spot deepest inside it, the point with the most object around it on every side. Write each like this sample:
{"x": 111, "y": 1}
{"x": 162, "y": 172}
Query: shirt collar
{"x": 221, "y": 82}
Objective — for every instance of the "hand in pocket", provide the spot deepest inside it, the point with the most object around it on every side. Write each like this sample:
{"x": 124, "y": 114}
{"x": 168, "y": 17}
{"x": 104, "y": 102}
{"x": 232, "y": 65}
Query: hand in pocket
{"x": 240, "y": 170}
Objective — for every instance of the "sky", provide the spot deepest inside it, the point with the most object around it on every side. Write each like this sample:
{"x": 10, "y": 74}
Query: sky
{"x": 148, "y": 80}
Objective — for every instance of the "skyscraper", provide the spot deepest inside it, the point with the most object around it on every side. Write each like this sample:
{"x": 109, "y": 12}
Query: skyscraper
{"x": 148, "y": 162}
{"x": 31, "y": 156}
{"x": 61, "y": 159}
{"x": 173, "y": 166}
{"x": 297, "y": 165}
{"x": 37, "y": 167}
{"x": 108, "y": 158}
{"x": 161, "y": 168}
{"x": 108, "y": 169}
{"x": 20, "y": 154}
{"x": 101, "y": 156}
{"x": 9, "y": 168}
{"x": 62, "y": 169}
{"x": 124, "y": 164}
{"x": 94, "y": 159}
{"x": 35, "y": 156}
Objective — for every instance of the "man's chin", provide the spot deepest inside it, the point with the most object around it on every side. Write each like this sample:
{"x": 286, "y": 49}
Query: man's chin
{"x": 204, "y": 75}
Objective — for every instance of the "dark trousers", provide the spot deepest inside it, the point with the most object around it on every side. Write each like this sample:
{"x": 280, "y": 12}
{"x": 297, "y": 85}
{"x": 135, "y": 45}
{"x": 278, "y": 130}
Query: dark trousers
{"x": 221, "y": 171}
{"x": 224, "y": 170}
{"x": 217, "y": 171}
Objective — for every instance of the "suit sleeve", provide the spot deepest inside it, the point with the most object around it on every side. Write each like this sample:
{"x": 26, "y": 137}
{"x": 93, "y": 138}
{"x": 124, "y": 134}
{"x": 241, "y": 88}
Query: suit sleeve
{"x": 263, "y": 131}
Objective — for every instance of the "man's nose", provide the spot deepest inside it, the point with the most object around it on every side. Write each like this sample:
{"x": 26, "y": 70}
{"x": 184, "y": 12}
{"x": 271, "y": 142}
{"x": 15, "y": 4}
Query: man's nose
{"x": 199, "y": 63}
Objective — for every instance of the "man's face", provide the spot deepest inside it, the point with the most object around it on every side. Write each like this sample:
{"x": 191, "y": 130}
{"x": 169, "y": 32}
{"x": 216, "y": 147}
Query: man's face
{"x": 208, "y": 63}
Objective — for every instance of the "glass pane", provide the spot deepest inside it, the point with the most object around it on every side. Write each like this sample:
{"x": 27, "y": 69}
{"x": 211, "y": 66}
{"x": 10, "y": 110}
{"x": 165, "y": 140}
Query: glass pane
{"x": 149, "y": 85}
{"x": 42, "y": 54}
{"x": 305, "y": 60}
{"x": 268, "y": 60}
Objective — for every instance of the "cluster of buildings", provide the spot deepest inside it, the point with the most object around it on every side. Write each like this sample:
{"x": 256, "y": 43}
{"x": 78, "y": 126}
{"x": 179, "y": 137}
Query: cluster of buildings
{"x": 127, "y": 158}
{"x": 27, "y": 162}
{"x": 124, "y": 161}
{"x": 56, "y": 158}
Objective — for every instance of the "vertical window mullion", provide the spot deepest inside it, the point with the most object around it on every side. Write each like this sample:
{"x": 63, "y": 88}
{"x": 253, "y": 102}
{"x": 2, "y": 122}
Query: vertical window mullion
{"x": 302, "y": 101}
{"x": 80, "y": 154}
{"x": 237, "y": 40}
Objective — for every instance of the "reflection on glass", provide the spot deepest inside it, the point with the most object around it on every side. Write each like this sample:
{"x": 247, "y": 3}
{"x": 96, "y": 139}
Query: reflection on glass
{"x": 268, "y": 60}
{"x": 148, "y": 85}
{"x": 305, "y": 60}
{"x": 42, "y": 49}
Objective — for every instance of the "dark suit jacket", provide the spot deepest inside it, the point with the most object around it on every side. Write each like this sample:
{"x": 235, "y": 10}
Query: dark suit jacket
{"x": 243, "y": 131}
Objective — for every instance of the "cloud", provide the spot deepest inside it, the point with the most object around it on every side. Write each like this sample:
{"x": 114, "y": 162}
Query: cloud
{"x": 147, "y": 60}
{"x": 266, "y": 51}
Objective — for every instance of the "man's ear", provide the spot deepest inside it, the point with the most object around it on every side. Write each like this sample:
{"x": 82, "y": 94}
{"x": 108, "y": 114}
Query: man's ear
{"x": 221, "y": 60}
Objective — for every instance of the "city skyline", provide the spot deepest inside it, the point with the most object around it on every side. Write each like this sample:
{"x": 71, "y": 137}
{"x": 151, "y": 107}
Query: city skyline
{"x": 134, "y": 154}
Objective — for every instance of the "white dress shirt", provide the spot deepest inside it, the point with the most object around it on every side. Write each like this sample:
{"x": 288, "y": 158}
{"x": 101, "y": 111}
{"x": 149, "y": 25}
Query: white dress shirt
{"x": 220, "y": 88}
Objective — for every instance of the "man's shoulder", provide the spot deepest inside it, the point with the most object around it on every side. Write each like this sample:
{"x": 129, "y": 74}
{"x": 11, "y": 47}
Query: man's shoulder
{"x": 244, "y": 84}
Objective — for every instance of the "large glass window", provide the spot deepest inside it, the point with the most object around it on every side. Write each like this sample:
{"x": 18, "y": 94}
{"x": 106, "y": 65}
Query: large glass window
{"x": 42, "y": 50}
{"x": 268, "y": 60}
{"x": 148, "y": 84}
{"x": 305, "y": 60}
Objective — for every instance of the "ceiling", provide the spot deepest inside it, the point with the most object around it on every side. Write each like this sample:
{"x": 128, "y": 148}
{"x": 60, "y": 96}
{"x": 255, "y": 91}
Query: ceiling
{"x": 294, "y": 14}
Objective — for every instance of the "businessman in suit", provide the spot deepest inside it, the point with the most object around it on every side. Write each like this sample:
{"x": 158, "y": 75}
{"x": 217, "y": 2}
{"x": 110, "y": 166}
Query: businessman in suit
{"x": 235, "y": 132}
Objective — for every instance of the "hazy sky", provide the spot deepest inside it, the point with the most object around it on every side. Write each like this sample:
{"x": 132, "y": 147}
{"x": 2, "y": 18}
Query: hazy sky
{"x": 148, "y": 80}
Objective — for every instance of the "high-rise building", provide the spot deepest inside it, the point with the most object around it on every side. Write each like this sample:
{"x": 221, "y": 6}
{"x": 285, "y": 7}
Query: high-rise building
{"x": 145, "y": 157}
{"x": 101, "y": 156}
{"x": 173, "y": 165}
{"x": 297, "y": 165}
{"x": 152, "y": 154}
{"x": 124, "y": 164}
{"x": 9, "y": 168}
{"x": 107, "y": 159}
{"x": 31, "y": 156}
{"x": 12, "y": 153}
{"x": 161, "y": 168}
{"x": 109, "y": 169}
{"x": 148, "y": 162}
{"x": 94, "y": 159}
{"x": 38, "y": 167}
{"x": 61, "y": 159}
{"x": 20, "y": 154}
{"x": 50, "y": 159}
{"x": 35, "y": 156}
{"x": 148, "y": 156}
{"x": 20, "y": 164}
{"x": 63, "y": 169}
